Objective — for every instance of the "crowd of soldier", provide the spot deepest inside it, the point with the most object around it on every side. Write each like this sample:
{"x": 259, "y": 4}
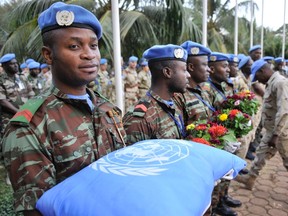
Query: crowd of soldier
{"x": 174, "y": 86}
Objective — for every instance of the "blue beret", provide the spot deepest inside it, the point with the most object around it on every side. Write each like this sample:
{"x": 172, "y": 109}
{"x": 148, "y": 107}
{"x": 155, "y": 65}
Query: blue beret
{"x": 278, "y": 60}
{"x": 7, "y": 57}
{"x": 165, "y": 52}
{"x": 195, "y": 49}
{"x": 34, "y": 65}
{"x": 233, "y": 58}
{"x": 28, "y": 61}
{"x": 61, "y": 15}
{"x": 144, "y": 63}
{"x": 253, "y": 48}
{"x": 217, "y": 56}
{"x": 23, "y": 65}
{"x": 103, "y": 61}
{"x": 268, "y": 58}
{"x": 43, "y": 66}
{"x": 133, "y": 59}
{"x": 243, "y": 59}
{"x": 255, "y": 67}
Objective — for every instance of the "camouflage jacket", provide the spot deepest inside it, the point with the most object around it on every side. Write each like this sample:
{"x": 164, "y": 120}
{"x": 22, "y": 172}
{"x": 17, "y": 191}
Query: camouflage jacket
{"x": 217, "y": 93}
{"x": 275, "y": 106}
{"x": 197, "y": 105}
{"x": 153, "y": 119}
{"x": 130, "y": 80}
{"x": 36, "y": 83}
{"x": 144, "y": 79}
{"x": 53, "y": 137}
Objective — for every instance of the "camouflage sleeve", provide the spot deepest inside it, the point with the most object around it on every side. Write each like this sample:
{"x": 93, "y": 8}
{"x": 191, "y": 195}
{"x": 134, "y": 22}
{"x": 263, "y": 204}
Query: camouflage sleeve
{"x": 29, "y": 166}
{"x": 2, "y": 93}
{"x": 137, "y": 128}
{"x": 281, "y": 118}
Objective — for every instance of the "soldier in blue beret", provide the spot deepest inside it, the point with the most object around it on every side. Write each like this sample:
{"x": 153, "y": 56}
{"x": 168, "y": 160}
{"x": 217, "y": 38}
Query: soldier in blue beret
{"x": 255, "y": 52}
{"x": 34, "y": 79}
{"x": 156, "y": 115}
{"x": 197, "y": 101}
{"x": 268, "y": 59}
{"x": 233, "y": 65}
{"x": 144, "y": 78}
{"x": 279, "y": 65}
{"x": 130, "y": 80}
{"x": 68, "y": 127}
{"x": 274, "y": 120}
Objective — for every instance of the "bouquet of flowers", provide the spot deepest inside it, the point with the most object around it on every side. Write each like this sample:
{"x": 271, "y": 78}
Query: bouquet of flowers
{"x": 212, "y": 134}
{"x": 235, "y": 120}
{"x": 244, "y": 101}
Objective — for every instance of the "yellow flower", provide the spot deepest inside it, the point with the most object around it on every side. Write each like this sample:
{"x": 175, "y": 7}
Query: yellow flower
{"x": 190, "y": 127}
{"x": 247, "y": 91}
{"x": 223, "y": 117}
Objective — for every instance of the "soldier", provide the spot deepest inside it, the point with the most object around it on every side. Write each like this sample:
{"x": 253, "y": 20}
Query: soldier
{"x": 130, "y": 83}
{"x": 144, "y": 79}
{"x": 255, "y": 52}
{"x": 68, "y": 127}
{"x": 268, "y": 59}
{"x": 274, "y": 120}
{"x": 46, "y": 75}
{"x": 34, "y": 79}
{"x": 156, "y": 116}
{"x": 279, "y": 65}
{"x": 103, "y": 78}
{"x": 196, "y": 100}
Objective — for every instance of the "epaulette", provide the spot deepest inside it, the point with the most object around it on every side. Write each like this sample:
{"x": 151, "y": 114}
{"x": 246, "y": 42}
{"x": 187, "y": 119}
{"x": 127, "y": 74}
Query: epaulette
{"x": 141, "y": 108}
{"x": 26, "y": 112}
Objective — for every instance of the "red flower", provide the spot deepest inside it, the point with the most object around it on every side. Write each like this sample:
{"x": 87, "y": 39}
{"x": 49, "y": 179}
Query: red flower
{"x": 201, "y": 127}
{"x": 233, "y": 113}
{"x": 201, "y": 140}
{"x": 217, "y": 131}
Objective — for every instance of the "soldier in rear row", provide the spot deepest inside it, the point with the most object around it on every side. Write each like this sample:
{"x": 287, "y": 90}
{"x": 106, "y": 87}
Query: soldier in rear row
{"x": 157, "y": 116}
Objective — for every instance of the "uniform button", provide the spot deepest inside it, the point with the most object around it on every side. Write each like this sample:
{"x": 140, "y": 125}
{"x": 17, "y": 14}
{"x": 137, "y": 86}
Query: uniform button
{"x": 59, "y": 157}
{"x": 88, "y": 149}
{"x": 27, "y": 198}
{"x": 76, "y": 153}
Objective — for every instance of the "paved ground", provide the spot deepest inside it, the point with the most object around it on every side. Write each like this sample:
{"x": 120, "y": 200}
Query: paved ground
{"x": 269, "y": 196}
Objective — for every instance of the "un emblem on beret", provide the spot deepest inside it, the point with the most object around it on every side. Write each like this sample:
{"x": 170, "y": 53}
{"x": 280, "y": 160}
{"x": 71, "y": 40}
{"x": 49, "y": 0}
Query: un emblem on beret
{"x": 195, "y": 50}
{"x": 235, "y": 59}
{"x": 64, "y": 18}
{"x": 179, "y": 53}
{"x": 213, "y": 58}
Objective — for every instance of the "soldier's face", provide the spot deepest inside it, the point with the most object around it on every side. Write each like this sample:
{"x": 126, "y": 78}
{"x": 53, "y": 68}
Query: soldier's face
{"x": 179, "y": 79}
{"x": 198, "y": 68}
{"x": 233, "y": 69}
{"x": 132, "y": 64}
{"x": 247, "y": 67}
{"x": 12, "y": 67}
{"x": 220, "y": 71}
{"x": 74, "y": 57}
{"x": 256, "y": 54}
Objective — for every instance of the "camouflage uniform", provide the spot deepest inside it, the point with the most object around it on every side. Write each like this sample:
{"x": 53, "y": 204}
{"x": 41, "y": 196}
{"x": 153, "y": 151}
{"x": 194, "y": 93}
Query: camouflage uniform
{"x": 53, "y": 137}
{"x": 152, "y": 118}
{"x": 17, "y": 91}
{"x": 197, "y": 105}
{"x": 275, "y": 121}
{"x": 36, "y": 83}
{"x": 131, "y": 87}
{"x": 104, "y": 81}
{"x": 144, "y": 79}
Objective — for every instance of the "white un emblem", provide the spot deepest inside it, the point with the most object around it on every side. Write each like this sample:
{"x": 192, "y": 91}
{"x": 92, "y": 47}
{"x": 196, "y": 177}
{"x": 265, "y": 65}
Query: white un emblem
{"x": 149, "y": 157}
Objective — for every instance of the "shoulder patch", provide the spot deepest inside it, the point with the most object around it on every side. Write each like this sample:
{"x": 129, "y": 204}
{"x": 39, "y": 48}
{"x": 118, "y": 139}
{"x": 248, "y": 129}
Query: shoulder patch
{"x": 141, "y": 108}
{"x": 27, "y": 110}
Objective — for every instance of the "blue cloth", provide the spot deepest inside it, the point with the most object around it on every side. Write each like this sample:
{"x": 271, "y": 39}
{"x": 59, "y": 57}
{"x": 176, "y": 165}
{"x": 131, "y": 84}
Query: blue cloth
{"x": 255, "y": 67}
{"x": 165, "y": 52}
{"x": 7, "y": 57}
{"x": 278, "y": 60}
{"x": 23, "y": 65}
{"x": 133, "y": 59}
{"x": 28, "y": 61}
{"x": 255, "y": 47}
{"x": 243, "y": 59}
{"x": 60, "y": 15}
{"x": 195, "y": 49}
{"x": 144, "y": 63}
{"x": 233, "y": 58}
{"x": 34, "y": 65}
{"x": 152, "y": 177}
{"x": 85, "y": 97}
{"x": 217, "y": 56}
{"x": 268, "y": 58}
{"x": 103, "y": 61}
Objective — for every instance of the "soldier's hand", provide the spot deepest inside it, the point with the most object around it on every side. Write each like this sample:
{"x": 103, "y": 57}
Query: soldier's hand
{"x": 273, "y": 141}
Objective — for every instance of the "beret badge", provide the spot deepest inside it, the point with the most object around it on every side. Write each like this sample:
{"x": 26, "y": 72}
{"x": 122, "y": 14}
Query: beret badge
{"x": 213, "y": 58}
{"x": 195, "y": 50}
{"x": 235, "y": 59}
{"x": 179, "y": 53}
{"x": 65, "y": 18}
